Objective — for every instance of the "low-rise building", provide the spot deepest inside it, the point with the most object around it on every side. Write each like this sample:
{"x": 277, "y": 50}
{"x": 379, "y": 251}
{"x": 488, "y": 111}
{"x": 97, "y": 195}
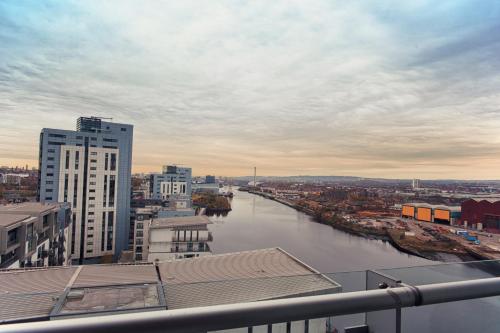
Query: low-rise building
{"x": 206, "y": 188}
{"x": 35, "y": 234}
{"x": 482, "y": 214}
{"x": 141, "y": 215}
{"x": 173, "y": 183}
{"x": 173, "y": 238}
{"x": 12, "y": 178}
{"x": 431, "y": 213}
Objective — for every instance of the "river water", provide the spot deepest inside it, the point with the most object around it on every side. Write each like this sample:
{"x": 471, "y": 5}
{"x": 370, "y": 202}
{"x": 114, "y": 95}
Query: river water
{"x": 257, "y": 223}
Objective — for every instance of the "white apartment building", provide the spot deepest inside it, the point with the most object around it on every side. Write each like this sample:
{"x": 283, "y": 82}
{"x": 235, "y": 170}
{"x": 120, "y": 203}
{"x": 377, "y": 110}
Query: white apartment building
{"x": 172, "y": 238}
{"x": 173, "y": 183}
{"x": 93, "y": 200}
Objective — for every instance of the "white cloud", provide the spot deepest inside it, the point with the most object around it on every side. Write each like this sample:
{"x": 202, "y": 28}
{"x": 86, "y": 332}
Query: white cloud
{"x": 318, "y": 86}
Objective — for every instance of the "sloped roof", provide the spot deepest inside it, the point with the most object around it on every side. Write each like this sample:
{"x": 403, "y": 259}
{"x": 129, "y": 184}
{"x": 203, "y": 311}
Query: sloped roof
{"x": 238, "y": 265}
{"x": 31, "y": 293}
{"x": 239, "y": 277}
{"x": 187, "y": 295}
{"x": 220, "y": 279}
{"x": 102, "y": 275}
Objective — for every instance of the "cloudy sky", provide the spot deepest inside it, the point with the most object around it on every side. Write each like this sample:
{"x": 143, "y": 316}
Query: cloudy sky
{"x": 368, "y": 88}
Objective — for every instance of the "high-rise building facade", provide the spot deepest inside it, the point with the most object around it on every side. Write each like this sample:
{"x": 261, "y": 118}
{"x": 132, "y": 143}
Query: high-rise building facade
{"x": 91, "y": 169}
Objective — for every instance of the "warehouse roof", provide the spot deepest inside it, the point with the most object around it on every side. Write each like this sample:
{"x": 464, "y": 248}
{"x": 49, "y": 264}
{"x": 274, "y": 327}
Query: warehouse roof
{"x": 426, "y": 205}
{"x": 240, "y": 277}
{"x": 238, "y": 265}
{"x": 113, "y": 274}
{"x": 33, "y": 293}
{"x": 44, "y": 293}
{"x": 490, "y": 200}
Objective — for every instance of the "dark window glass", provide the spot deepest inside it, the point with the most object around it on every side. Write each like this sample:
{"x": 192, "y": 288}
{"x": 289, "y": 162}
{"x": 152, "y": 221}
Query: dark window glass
{"x": 67, "y": 159}
{"x": 109, "y": 140}
{"x": 73, "y": 231}
{"x": 103, "y": 230}
{"x": 77, "y": 160}
{"x": 66, "y": 187}
{"x": 111, "y": 196}
{"x": 75, "y": 191}
{"x": 53, "y": 135}
{"x": 113, "y": 162}
{"x": 12, "y": 237}
{"x": 109, "y": 244}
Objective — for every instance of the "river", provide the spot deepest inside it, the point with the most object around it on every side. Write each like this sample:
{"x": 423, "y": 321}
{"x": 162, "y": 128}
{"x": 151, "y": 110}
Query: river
{"x": 257, "y": 223}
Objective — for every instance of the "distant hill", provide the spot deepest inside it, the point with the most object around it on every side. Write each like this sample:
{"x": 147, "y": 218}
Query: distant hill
{"x": 359, "y": 180}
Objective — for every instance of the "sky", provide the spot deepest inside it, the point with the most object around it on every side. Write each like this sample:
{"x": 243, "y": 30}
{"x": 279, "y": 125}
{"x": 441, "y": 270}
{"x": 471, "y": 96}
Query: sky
{"x": 390, "y": 88}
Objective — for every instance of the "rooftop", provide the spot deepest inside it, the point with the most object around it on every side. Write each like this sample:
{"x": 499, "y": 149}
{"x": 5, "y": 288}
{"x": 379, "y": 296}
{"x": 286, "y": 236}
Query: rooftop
{"x": 490, "y": 200}
{"x": 239, "y": 277}
{"x": 44, "y": 293}
{"x": 426, "y": 205}
{"x": 10, "y": 219}
{"x": 238, "y": 265}
{"x": 184, "y": 221}
{"x": 30, "y": 208}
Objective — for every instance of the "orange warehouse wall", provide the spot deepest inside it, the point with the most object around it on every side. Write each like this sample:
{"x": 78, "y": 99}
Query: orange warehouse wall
{"x": 408, "y": 211}
{"x": 424, "y": 214}
{"x": 442, "y": 214}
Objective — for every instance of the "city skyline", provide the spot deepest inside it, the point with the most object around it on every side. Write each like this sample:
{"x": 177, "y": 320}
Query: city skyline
{"x": 390, "y": 90}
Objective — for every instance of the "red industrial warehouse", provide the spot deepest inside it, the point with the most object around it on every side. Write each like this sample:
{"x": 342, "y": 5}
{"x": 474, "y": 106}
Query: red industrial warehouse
{"x": 483, "y": 214}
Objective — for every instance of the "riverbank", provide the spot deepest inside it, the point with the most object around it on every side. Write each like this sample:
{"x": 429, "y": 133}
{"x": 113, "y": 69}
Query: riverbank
{"x": 212, "y": 203}
{"x": 442, "y": 250}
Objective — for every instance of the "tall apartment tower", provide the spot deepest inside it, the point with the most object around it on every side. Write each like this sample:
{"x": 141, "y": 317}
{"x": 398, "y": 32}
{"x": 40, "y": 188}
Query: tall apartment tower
{"x": 174, "y": 183}
{"x": 91, "y": 169}
{"x": 415, "y": 184}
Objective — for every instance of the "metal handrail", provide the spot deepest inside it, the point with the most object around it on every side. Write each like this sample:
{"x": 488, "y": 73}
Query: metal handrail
{"x": 220, "y": 317}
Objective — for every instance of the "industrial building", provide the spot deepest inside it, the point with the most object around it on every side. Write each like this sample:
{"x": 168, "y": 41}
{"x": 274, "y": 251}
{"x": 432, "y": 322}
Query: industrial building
{"x": 90, "y": 168}
{"x": 481, "y": 214}
{"x": 431, "y": 213}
